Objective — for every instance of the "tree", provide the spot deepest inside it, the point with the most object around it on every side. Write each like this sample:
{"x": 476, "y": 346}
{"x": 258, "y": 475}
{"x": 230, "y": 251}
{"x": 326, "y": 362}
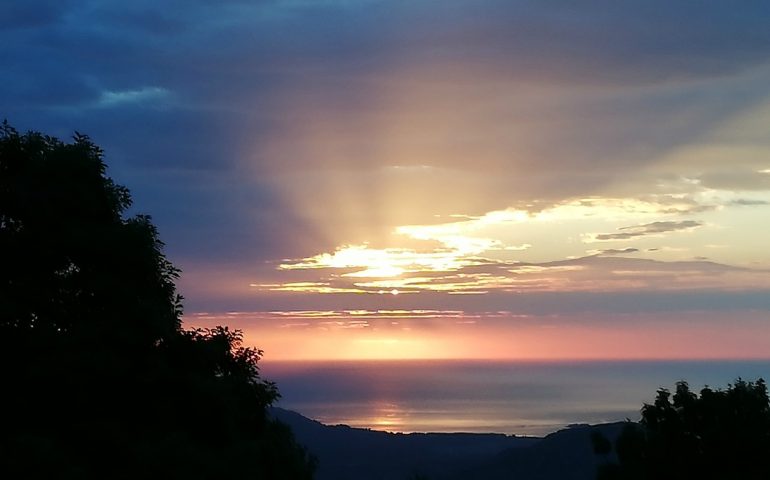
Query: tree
{"x": 99, "y": 378}
{"x": 717, "y": 434}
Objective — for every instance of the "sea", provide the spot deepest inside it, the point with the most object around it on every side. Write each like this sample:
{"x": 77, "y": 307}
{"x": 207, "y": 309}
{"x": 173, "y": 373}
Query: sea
{"x": 528, "y": 398}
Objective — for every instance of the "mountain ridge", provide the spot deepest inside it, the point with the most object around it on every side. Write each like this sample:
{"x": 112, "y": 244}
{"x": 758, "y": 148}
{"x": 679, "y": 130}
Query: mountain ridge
{"x": 348, "y": 453}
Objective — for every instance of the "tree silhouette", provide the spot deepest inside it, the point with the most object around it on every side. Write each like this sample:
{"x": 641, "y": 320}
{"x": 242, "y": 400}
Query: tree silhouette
{"x": 717, "y": 434}
{"x": 99, "y": 378}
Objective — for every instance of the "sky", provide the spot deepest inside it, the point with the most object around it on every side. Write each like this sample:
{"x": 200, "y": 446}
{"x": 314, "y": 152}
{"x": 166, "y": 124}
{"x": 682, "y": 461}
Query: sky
{"x": 378, "y": 179}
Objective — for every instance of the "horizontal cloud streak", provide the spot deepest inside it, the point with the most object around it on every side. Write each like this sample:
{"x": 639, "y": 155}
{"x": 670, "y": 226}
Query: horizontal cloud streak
{"x": 592, "y": 273}
{"x": 615, "y": 251}
{"x": 654, "y": 228}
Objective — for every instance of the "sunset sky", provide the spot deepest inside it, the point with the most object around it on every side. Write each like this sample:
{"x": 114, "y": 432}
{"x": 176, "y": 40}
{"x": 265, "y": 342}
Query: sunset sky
{"x": 348, "y": 179}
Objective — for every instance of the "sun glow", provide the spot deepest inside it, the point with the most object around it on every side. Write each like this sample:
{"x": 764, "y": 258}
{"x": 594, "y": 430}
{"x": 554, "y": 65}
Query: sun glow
{"x": 438, "y": 334}
{"x": 568, "y": 246}
{"x": 367, "y": 262}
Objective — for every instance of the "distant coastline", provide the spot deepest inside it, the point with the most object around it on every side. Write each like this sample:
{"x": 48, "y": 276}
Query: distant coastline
{"x": 531, "y": 398}
{"x": 354, "y": 453}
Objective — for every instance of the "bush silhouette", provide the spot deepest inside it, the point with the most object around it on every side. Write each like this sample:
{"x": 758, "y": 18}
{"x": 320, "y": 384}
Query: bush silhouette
{"x": 99, "y": 378}
{"x": 717, "y": 434}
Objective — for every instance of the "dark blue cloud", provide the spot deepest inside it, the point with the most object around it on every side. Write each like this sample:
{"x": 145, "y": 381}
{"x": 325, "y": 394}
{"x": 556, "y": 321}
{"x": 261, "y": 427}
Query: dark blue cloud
{"x": 33, "y": 14}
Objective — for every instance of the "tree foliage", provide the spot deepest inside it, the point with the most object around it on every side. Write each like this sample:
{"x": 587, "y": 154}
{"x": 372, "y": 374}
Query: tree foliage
{"x": 99, "y": 378}
{"x": 717, "y": 434}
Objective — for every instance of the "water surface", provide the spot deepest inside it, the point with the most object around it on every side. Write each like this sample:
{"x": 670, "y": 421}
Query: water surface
{"x": 525, "y": 398}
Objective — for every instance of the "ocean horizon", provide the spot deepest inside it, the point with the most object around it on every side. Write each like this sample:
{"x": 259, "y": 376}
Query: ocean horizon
{"x": 530, "y": 398}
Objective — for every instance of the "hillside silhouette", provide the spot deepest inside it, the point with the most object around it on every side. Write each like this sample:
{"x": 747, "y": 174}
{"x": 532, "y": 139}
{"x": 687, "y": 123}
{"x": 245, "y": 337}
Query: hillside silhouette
{"x": 100, "y": 380}
{"x": 347, "y": 453}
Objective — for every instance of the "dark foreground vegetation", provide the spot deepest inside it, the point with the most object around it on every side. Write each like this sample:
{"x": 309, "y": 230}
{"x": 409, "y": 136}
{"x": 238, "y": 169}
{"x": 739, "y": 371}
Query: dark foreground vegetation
{"x": 99, "y": 380}
{"x": 717, "y": 434}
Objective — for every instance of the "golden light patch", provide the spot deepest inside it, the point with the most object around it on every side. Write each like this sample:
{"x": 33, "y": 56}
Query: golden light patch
{"x": 495, "y": 252}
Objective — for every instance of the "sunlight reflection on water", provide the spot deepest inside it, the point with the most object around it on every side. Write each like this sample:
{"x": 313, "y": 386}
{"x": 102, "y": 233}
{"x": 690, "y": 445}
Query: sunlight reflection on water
{"x": 525, "y": 398}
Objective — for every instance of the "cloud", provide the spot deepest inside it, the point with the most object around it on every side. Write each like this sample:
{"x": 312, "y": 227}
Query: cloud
{"x": 298, "y": 127}
{"x": 33, "y": 13}
{"x": 736, "y": 179}
{"x": 471, "y": 254}
{"x": 307, "y": 287}
{"x": 614, "y": 251}
{"x": 748, "y": 202}
{"x": 606, "y": 271}
{"x": 648, "y": 229}
{"x": 144, "y": 95}
{"x": 472, "y": 241}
